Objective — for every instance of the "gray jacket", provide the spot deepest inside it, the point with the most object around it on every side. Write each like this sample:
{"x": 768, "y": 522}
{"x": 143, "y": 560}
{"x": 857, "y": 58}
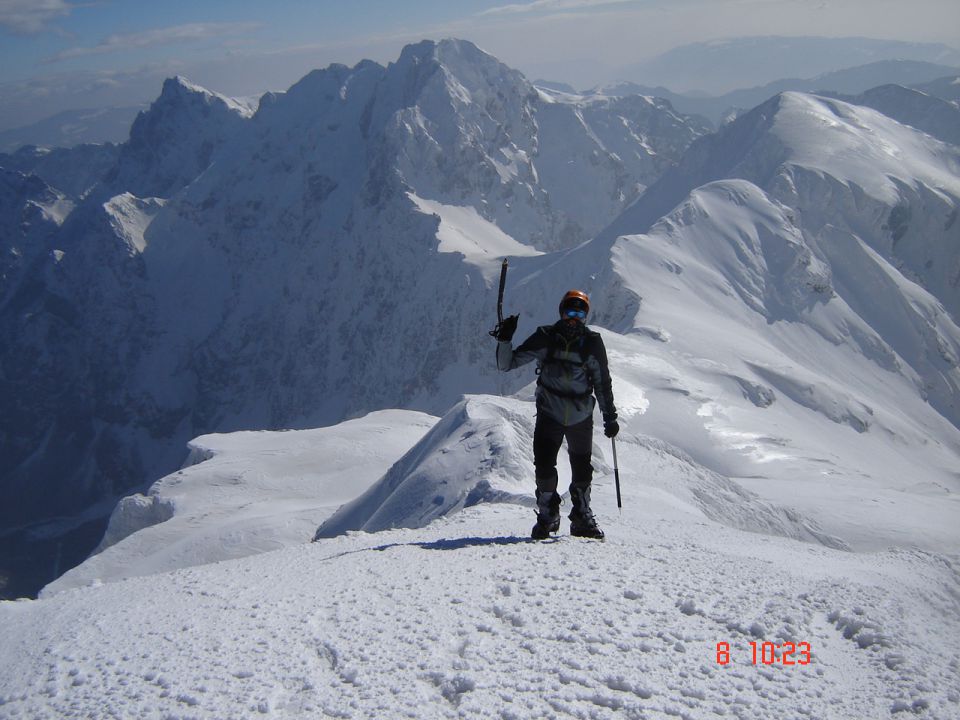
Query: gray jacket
{"x": 571, "y": 372}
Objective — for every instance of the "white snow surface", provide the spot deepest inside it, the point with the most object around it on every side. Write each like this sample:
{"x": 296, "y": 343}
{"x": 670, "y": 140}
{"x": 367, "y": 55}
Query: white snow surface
{"x": 244, "y": 493}
{"x": 468, "y": 618}
{"x": 462, "y": 230}
{"x": 456, "y": 613}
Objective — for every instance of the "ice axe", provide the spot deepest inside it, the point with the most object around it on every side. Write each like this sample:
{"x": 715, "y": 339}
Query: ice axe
{"x": 503, "y": 283}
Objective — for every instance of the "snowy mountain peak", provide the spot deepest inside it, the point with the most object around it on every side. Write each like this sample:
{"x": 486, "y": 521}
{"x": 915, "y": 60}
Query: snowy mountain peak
{"x": 783, "y": 360}
{"x": 452, "y": 53}
{"x": 175, "y": 140}
{"x": 469, "y": 74}
{"x": 835, "y": 165}
{"x": 476, "y": 69}
{"x": 178, "y": 90}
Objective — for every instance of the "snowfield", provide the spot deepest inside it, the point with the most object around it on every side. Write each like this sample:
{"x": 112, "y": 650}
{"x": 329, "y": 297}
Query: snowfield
{"x": 246, "y": 492}
{"x": 465, "y": 616}
{"x": 468, "y": 618}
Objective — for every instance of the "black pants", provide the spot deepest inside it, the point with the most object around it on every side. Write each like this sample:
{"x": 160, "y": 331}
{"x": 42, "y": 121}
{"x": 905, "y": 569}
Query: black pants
{"x": 548, "y": 435}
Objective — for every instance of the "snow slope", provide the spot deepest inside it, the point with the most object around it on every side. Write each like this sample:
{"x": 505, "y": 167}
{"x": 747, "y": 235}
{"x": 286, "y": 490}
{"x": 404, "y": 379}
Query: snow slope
{"x": 468, "y": 618}
{"x": 839, "y": 166}
{"x": 246, "y": 493}
{"x": 924, "y": 111}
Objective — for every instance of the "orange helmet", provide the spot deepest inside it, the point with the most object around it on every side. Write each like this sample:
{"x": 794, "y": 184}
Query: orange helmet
{"x": 575, "y": 300}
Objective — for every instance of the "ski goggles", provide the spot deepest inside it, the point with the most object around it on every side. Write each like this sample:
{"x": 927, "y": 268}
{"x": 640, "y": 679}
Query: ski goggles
{"x": 571, "y": 313}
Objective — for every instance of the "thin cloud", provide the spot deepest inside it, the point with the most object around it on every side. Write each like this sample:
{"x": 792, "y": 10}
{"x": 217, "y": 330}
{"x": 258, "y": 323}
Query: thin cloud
{"x": 28, "y": 17}
{"x": 192, "y": 32}
{"x": 549, "y": 6}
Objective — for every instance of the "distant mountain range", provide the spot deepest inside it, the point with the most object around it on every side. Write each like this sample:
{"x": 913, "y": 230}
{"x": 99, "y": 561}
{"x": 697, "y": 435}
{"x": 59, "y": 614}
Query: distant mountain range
{"x": 935, "y": 79}
{"x": 73, "y": 127}
{"x": 720, "y": 66}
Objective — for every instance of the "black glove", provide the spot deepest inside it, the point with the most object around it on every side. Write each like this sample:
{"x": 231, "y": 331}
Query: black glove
{"x": 611, "y": 428}
{"x": 508, "y": 327}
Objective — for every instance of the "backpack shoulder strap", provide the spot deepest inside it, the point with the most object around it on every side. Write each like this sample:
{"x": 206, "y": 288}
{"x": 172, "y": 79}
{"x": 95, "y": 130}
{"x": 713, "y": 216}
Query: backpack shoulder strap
{"x": 587, "y": 344}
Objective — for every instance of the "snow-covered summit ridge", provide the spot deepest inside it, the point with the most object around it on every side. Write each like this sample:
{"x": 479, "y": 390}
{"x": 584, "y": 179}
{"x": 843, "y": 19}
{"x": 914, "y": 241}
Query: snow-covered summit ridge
{"x": 181, "y": 85}
{"x": 626, "y": 628}
{"x": 245, "y": 493}
{"x": 481, "y": 452}
{"x": 670, "y": 584}
{"x": 861, "y": 146}
{"x": 853, "y": 144}
{"x": 931, "y": 114}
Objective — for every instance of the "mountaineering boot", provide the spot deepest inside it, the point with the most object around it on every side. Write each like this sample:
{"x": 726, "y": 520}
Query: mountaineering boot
{"x": 548, "y": 515}
{"x": 582, "y": 522}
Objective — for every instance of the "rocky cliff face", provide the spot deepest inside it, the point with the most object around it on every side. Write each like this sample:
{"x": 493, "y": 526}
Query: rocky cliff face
{"x": 175, "y": 140}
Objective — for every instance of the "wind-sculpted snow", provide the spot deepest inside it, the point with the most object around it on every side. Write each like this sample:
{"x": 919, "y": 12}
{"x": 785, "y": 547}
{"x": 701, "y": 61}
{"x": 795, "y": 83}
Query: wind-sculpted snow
{"x": 480, "y": 451}
{"x": 466, "y": 618}
{"x": 245, "y": 493}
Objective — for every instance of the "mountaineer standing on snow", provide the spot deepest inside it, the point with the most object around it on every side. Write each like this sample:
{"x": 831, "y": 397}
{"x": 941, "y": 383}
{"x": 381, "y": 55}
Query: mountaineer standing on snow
{"x": 572, "y": 368}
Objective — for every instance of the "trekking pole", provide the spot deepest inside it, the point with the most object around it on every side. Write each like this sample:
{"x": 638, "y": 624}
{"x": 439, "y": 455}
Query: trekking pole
{"x": 616, "y": 473}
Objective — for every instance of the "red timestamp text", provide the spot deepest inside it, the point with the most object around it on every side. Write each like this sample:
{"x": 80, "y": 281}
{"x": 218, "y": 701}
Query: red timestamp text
{"x": 768, "y": 653}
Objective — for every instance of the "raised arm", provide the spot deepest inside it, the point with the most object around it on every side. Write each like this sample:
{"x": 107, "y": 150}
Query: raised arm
{"x": 533, "y": 348}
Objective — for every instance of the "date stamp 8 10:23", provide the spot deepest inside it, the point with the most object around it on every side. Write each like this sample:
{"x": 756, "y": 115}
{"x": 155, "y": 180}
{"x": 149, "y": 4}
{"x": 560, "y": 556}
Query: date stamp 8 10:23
{"x": 768, "y": 653}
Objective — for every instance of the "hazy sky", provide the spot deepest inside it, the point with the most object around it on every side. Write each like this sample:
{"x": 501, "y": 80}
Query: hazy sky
{"x": 57, "y": 54}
